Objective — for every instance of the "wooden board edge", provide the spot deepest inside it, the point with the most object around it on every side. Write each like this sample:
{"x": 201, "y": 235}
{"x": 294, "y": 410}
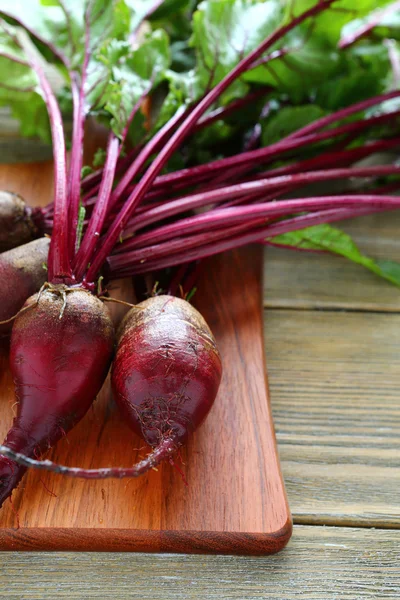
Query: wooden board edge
{"x": 128, "y": 540}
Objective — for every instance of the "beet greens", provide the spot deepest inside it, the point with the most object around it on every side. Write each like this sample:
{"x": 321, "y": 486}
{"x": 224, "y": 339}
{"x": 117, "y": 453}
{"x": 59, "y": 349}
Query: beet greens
{"x": 282, "y": 55}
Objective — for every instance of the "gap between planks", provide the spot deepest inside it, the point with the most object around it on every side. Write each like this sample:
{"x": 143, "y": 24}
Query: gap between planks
{"x": 333, "y": 309}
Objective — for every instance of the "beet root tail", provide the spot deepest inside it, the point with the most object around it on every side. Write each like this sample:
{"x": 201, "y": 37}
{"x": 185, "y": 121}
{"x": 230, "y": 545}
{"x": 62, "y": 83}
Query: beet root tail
{"x": 163, "y": 452}
{"x": 11, "y": 471}
{"x": 11, "y": 474}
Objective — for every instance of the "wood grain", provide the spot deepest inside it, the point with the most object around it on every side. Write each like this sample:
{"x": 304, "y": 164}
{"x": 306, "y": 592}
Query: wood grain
{"x": 235, "y": 501}
{"x": 335, "y": 381}
{"x": 320, "y": 563}
{"x": 304, "y": 280}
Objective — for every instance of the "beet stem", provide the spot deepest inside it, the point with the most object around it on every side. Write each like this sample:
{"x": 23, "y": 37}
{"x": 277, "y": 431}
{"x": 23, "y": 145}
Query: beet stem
{"x": 254, "y": 158}
{"x": 355, "y": 202}
{"x": 341, "y": 158}
{"x": 185, "y": 128}
{"x": 343, "y": 114}
{"x": 58, "y": 263}
{"x": 80, "y": 112}
{"x": 95, "y": 226}
{"x": 145, "y": 154}
{"x": 256, "y": 186}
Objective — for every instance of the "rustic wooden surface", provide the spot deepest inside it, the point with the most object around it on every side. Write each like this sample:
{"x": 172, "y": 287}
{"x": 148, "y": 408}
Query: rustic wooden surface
{"x": 235, "y": 500}
{"x": 320, "y": 281}
{"x": 335, "y": 563}
{"x": 332, "y": 354}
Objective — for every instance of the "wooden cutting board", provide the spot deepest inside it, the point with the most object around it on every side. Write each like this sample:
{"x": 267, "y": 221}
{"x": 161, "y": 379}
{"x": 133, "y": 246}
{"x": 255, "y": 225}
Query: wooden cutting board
{"x": 235, "y": 501}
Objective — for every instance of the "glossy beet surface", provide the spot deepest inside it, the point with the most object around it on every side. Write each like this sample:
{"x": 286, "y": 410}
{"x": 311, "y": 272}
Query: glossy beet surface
{"x": 58, "y": 366}
{"x": 16, "y": 225}
{"x": 167, "y": 369}
{"x": 22, "y": 273}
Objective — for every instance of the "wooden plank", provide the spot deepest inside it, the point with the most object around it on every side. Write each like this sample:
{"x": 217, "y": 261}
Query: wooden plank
{"x": 33, "y": 181}
{"x": 320, "y": 563}
{"x": 335, "y": 381}
{"x": 306, "y": 280}
{"x": 227, "y": 507}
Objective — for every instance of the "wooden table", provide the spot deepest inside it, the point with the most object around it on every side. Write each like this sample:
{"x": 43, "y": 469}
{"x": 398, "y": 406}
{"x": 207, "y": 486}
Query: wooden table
{"x": 332, "y": 334}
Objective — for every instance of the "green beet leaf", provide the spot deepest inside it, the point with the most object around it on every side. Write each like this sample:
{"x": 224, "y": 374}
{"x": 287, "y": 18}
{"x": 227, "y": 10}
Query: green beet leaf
{"x": 327, "y": 238}
{"x": 285, "y": 120}
{"x": 134, "y": 75}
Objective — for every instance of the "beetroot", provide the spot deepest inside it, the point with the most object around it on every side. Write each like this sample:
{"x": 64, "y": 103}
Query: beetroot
{"x": 16, "y": 224}
{"x": 165, "y": 378}
{"x": 61, "y": 350}
{"x": 22, "y": 273}
{"x": 167, "y": 370}
{"x": 62, "y": 344}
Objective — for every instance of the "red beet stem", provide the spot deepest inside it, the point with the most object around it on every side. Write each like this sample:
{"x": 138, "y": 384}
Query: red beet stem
{"x": 237, "y": 220}
{"x": 91, "y": 183}
{"x": 321, "y": 217}
{"x": 59, "y": 269}
{"x": 145, "y": 154}
{"x": 242, "y": 189}
{"x": 185, "y": 128}
{"x": 341, "y": 158}
{"x": 321, "y": 204}
{"x": 344, "y": 113}
{"x": 193, "y": 174}
{"x": 98, "y": 216}
{"x": 164, "y": 186}
{"x": 239, "y": 165}
{"x": 231, "y": 226}
{"x": 254, "y": 158}
{"x": 164, "y": 451}
{"x": 273, "y": 56}
{"x": 80, "y": 112}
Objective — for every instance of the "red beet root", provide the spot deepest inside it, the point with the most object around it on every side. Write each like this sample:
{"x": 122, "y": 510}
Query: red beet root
{"x": 22, "y": 273}
{"x": 167, "y": 370}
{"x": 61, "y": 350}
{"x": 165, "y": 378}
{"x": 16, "y": 224}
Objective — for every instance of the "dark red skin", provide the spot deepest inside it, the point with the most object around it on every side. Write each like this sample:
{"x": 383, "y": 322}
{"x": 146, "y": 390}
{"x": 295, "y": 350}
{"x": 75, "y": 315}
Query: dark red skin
{"x": 16, "y": 224}
{"x": 166, "y": 371}
{"x": 58, "y": 366}
{"x": 22, "y": 273}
